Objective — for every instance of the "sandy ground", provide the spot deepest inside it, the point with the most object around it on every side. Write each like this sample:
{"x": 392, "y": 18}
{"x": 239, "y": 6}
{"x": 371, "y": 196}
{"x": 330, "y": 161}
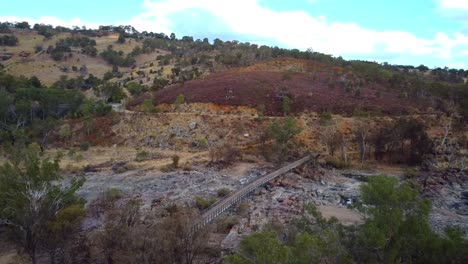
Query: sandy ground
{"x": 343, "y": 214}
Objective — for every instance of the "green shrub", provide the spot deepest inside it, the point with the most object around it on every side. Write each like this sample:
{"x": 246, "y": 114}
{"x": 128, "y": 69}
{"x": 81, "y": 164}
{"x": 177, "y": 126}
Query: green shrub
{"x": 79, "y": 157}
{"x": 326, "y": 118}
{"x": 410, "y": 173}
{"x": 65, "y": 132}
{"x": 179, "y": 100}
{"x": 204, "y": 203}
{"x": 203, "y": 143}
{"x": 113, "y": 194}
{"x": 142, "y": 156}
{"x": 84, "y": 146}
{"x": 223, "y": 192}
{"x": 227, "y": 223}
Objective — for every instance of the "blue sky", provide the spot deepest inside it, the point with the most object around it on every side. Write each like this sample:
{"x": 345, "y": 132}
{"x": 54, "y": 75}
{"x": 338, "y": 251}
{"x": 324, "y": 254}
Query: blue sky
{"x": 430, "y": 32}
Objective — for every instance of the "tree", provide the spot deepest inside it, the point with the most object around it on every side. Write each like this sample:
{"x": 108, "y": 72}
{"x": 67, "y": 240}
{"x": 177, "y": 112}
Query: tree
{"x": 361, "y": 134}
{"x": 32, "y": 195}
{"x": 397, "y": 225}
{"x": 262, "y": 247}
{"x": 121, "y": 38}
{"x": 286, "y": 105}
{"x": 405, "y": 141}
{"x": 282, "y": 133}
{"x": 23, "y": 25}
{"x": 330, "y": 136}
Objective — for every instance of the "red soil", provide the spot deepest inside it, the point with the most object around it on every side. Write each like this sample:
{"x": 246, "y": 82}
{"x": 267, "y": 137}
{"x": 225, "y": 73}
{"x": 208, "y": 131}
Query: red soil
{"x": 306, "y": 83}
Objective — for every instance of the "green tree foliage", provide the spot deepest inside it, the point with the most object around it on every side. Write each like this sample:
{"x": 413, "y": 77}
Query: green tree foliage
{"x": 112, "y": 92}
{"x": 262, "y": 248}
{"x": 116, "y": 58}
{"x": 286, "y": 105}
{"x": 121, "y": 38}
{"x": 31, "y": 197}
{"x": 179, "y": 100}
{"x": 397, "y": 227}
{"x": 8, "y": 40}
{"x": 148, "y": 106}
{"x": 136, "y": 89}
{"x": 86, "y": 44}
{"x": 45, "y": 30}
{"x": 29, "y": 114}
{"x": 397, "y": 224}
{"x": 396, "y": 230}
{"x": 23, "y": 25}
{"x": 150, "y": 45}
{"x": 406, "y": 141}
{"x": 282, "y": 133}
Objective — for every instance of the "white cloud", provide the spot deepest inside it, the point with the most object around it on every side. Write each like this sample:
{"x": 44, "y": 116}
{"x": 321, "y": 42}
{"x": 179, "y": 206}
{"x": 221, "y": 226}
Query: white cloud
{"x": 293, "y": 29}
{"x": 297, "y": 29}
{"x": 454, "y": 4}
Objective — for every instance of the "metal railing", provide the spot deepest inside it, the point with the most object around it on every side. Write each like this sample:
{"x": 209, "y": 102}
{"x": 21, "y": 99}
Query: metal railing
{"x": 241, "y": 194}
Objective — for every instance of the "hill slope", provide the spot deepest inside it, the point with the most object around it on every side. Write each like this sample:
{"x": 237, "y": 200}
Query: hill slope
{"x": 312, "y": 86}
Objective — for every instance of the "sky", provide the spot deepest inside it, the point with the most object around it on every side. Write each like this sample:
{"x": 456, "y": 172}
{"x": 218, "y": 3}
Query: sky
{"x": 406, "y": 32}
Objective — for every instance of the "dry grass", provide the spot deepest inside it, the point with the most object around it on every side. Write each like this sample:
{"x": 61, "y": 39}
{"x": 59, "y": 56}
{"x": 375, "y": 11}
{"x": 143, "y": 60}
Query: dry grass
{"x": 48, "y": 70}
{"x": 99, "y": 155}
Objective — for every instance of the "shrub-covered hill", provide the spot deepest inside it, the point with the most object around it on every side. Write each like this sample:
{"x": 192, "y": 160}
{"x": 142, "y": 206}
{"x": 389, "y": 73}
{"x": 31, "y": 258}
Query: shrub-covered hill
{"x": 223, "y": 72}
{"x": 307, "y": 85}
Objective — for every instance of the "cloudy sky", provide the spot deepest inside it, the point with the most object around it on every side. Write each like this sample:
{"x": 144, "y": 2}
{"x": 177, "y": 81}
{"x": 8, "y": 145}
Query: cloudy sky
{"x": 430, "y": 32}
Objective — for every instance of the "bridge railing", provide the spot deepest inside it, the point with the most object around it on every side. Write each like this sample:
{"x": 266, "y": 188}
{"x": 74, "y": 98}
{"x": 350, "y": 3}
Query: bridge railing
{"x": 238, "y": 196}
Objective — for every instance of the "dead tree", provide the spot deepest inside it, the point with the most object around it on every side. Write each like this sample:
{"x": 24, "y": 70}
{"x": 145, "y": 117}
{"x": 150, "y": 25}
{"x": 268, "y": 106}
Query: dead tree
{"x": 361, "y": 136}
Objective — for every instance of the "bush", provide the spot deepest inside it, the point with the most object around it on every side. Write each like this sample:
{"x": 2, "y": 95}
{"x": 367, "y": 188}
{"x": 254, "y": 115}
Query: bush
{"x": 136, "y": 89}
{"x": 179, "y": 100}
{"x": 175, "y": 161}
{"x": 142, "y": 156}
{"x": 224, "y": 154}
{"x": 410, "y": 173}
{"x": 148, "y": 106}
{"x": 227, "y": 223}
{"x": 203, "y": 143}
{"x": 223, "y": 192}
{"x": 65, "y": 132}
{"x": 84, "y": 146}
{"x": 325, "y": 119}
{"x": 243, "y": 209}
{"x": 204, "y": 203}
{"x": 113, "y": 194}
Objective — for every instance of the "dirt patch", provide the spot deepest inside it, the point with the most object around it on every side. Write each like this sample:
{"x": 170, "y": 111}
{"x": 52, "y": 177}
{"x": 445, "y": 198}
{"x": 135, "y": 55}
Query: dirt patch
{"x": 239, "y": 169}
{"x": 344, "y": 215}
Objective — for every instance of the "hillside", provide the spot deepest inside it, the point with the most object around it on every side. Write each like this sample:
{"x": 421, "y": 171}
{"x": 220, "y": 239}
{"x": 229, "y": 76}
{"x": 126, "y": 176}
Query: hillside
{"x": 312, "y": 86}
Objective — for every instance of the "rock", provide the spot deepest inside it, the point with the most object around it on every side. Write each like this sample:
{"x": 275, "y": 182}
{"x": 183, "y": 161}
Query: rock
{"x": 231, "y": 242}
{"x": 193, "y": 125}
{"x": 464, "y": 195}
{"x": 246, "y": 135}
{"x": 277, "y": 194}
{"x": 334, "y": 199}
{"x": 322, "y": 162}
{"x": 319, "y": 192}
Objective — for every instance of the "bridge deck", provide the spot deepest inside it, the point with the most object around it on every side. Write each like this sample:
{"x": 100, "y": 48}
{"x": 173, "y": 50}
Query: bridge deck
{"x": 239, "y": 195}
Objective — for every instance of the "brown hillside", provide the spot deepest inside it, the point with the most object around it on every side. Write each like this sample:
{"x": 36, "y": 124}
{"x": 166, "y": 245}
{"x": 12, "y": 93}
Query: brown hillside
{"x": 311, "y": 86}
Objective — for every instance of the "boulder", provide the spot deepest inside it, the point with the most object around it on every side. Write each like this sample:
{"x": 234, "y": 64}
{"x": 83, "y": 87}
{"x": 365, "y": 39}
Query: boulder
{"x": 193, "y": 125}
